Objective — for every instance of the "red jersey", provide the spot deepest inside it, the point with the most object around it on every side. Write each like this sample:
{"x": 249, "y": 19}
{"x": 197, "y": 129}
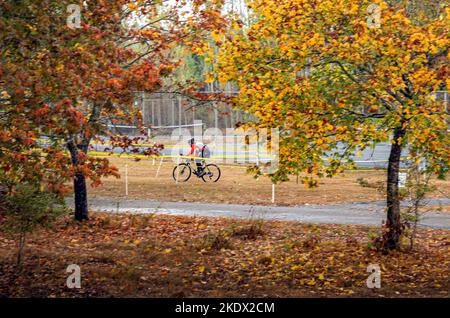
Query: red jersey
{"x": 195, "y": 150}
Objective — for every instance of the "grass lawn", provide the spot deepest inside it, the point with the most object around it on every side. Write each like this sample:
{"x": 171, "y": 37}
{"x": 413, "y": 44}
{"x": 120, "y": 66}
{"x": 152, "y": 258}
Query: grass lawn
{"x": 237, "y": 186}
{"x": 170, "y": 256}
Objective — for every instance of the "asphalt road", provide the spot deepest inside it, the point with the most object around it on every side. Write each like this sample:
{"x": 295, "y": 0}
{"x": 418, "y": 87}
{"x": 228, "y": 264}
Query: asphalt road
{"x": 369, "y": 213}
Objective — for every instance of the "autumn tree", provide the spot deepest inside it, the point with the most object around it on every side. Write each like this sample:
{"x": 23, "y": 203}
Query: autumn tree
{"x": 26, "y": 91}
{"x": 68, "y": 81}
{"x": 339, "y": 76}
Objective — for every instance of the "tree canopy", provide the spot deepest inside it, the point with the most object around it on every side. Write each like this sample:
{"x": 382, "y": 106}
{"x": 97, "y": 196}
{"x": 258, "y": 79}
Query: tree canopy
{"x": 338, "y": 76}
{"x": 67, "y": 82}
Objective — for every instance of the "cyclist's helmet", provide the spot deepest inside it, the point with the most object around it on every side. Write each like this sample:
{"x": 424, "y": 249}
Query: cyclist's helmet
{"x": 191, "y": 141}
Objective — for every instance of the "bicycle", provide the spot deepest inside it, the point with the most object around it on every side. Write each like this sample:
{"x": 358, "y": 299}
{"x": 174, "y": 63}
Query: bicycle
{"x": 183, "y": 171}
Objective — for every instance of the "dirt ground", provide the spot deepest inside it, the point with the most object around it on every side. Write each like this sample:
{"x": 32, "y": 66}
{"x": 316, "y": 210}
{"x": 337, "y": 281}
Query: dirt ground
{"x": 174, "y": 256}
{"x": 237, "y": 186}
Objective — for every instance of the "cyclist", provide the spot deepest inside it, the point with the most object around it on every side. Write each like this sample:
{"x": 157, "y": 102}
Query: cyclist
{"x": 196, "y": 151}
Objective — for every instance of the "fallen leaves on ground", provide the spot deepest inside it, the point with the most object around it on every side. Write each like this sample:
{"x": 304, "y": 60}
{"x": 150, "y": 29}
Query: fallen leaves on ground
{"x": 175, "y": 256}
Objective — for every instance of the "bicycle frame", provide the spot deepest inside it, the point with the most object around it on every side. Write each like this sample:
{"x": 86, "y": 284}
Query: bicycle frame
{"x": 193, "y": 169}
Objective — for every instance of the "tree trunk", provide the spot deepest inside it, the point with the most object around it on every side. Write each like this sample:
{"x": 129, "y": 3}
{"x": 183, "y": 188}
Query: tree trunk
{"x": 80, "y": 190}
{"x": 79, "y": 186}
{"x": 392, "y": 239}
{"x": 79, "y": 181}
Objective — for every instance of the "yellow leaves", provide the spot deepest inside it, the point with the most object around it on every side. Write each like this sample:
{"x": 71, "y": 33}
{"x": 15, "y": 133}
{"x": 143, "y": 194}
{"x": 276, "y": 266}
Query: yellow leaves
{"x": 201, "y": 269}
{"x": 329, "y": 127}
{"x": 258, "y": 114}
{"x": 236, "y": 27}
{"x": 79, "y": 48}
{"x": 216, "y": 36}
{"x": 423, "y": 75}
{"x": 60, "y": 68}
{"x": 269, "y": 94}
{"x": 417, "y": 37}
{"x": 167, "y": 251}
{"x": 406, "y": 58}
{"x": 383, "y": 5}
{"x": 348, "y": 269}
{"x": 209, "y": 78}
{"x": 266, "y": 64}
{"x": 419, "y": 42}
{"x": 353, "y": 8}
{"x": 433, "y": 49}
{"x": 315, "y": 39}
{"x": 284, "y": 37}
{"x": 137, "y": 242}
{"x": 31, "y": 27}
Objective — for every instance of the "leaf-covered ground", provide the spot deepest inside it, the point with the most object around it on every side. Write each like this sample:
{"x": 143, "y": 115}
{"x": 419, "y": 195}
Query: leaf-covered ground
{"x": 170, "y": 256}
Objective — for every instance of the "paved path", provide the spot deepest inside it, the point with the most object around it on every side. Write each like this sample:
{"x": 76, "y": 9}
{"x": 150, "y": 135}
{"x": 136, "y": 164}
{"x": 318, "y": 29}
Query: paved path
{"x": 370, "y": 213}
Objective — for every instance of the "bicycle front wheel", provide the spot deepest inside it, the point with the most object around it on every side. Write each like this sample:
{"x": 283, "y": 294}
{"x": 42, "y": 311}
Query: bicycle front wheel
{"x": 182, "y": 172}
{"x": 212, "y": 173}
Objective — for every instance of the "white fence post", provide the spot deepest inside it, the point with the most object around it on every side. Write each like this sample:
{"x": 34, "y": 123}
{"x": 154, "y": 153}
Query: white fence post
{"x": 273, "y": 192}
{"x": 159, "y": 167}
{"x": 126, "y": 179}
{"x": 178, "y": 170}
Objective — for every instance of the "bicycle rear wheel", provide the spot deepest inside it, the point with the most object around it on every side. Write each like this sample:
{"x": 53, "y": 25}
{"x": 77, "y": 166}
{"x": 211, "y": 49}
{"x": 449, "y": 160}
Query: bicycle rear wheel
{"x": 212, "y": 173}
{"x": 181, "y": 172}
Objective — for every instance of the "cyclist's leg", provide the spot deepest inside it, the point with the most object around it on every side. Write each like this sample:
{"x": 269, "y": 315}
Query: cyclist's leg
{"x": 199, "y": 164}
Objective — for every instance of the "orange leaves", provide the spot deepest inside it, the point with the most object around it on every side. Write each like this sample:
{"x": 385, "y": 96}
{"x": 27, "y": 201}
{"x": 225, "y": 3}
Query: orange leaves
{"x": 115, "y": 83}
{"x": 151, "y": 34}
{"x": 132, "y": 6}
{"x": 43, "y": 111}
{"x": 53, "y": 90}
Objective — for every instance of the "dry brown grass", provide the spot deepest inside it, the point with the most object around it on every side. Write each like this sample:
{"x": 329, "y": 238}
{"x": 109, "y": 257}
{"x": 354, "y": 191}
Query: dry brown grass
{"x": 237, "y": 186}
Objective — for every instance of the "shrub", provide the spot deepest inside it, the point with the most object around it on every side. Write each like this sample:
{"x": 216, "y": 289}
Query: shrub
{"x": 216, "y": 240}
{"x": 417, "y": 188}
{"x": 26, "y": 208}
{"x": 378, "y": 185}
